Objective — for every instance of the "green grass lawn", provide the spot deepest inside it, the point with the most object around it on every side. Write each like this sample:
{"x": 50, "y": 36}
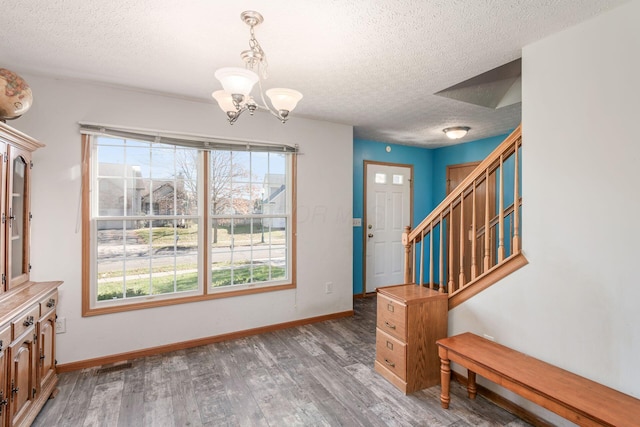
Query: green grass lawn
{"x": 188, "y": 237}
{"x": 164, "y": 284}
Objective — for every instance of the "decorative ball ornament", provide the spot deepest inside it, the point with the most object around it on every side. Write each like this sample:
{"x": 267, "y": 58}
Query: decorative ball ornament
{"x": 15, "y": 95}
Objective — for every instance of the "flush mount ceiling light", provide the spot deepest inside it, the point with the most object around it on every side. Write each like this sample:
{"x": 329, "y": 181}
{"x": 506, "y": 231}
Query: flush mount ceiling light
{"x": 456, "y": 132}
{"x": 237, "y": 83}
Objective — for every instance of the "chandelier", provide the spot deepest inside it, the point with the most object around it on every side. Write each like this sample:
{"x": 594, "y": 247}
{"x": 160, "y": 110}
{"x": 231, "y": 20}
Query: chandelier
{"x": 237, "y": 83}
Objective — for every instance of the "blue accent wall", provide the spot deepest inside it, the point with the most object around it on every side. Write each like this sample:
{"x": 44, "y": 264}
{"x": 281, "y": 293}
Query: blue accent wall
{"x": 429, "y": 179}
{"x": 420, "y": 158}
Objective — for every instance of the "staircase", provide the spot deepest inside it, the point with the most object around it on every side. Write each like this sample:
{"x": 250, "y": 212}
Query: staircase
{"x": 473, "y": 238}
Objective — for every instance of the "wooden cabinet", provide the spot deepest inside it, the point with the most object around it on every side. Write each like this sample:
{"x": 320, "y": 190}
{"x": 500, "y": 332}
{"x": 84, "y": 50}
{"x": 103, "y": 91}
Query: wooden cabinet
{"x": 16, "y": 149}
{"x": 22, "y": 375}
{"x": 27, "y": 309}
{"x": 18, "y": 218}
{"x": 46, "y": 342}
{"x": 5, "y": 341}
{"x": 410, "y": 319}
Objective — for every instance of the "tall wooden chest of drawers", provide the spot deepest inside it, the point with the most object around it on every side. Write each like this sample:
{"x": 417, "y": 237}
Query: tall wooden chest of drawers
{"x": 410, "y": 318}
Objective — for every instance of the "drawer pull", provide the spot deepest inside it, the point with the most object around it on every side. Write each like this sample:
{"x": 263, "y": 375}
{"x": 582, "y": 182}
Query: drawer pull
{"x": 51, "y": 303}
{"x": 389, "y": 325}
{"x": 390, "y": 363}
{"x": 28, "y": 321}
{"x": 389, "y": 345}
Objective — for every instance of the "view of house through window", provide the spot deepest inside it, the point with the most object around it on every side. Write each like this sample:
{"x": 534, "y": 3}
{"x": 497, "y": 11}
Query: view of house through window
{"x": 152, "y": 202}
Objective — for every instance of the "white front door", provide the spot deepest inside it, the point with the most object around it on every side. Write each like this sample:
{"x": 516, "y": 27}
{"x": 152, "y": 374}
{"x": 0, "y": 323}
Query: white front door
{"x": 388, "y": 195}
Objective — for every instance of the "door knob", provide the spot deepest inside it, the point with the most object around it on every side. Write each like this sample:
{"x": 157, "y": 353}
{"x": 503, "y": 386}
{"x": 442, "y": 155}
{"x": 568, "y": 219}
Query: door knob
{"x": 370, "y": 234}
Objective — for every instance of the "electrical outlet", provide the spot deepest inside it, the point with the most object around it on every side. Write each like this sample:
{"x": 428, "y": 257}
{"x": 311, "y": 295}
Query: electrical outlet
{"x": 61, "y": 325}
{"x": 328, "y": 287}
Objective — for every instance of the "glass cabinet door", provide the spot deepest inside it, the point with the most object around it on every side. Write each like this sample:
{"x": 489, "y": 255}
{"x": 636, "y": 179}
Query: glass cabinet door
{"x": 18, "y": 219}
{"x": 3, "y": 234}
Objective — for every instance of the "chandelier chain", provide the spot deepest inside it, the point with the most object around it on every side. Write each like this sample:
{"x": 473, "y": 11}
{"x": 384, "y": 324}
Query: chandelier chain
{"x": 260, "y": 58}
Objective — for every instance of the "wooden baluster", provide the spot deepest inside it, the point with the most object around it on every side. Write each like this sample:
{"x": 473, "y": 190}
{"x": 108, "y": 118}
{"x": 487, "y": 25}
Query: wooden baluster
{"x": 501, "y": 214}
{"x": 516, "y": 196}
{"x": 450, "y": 250}
{"x": 413, "y": 270}
{"x": 422, "y": 258}
{"x": 407, "y": 254}
{"x": 473, "y": 233}
{"x": 431, "y": 284}
{"x": 441, "y": 255}
{"x": 461, "y": 281}
{"x": 487, "y": 231}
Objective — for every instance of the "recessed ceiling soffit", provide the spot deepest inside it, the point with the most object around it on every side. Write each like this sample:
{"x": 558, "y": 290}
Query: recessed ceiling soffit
{"x": 494, "y": 89}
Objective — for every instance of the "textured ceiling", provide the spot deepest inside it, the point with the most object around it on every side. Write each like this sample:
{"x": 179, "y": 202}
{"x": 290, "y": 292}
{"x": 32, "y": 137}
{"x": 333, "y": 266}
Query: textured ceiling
{"x": 372, "y": 64}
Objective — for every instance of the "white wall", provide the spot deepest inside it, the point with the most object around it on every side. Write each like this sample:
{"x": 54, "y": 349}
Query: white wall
{"x": 324, "y": 216}
{"x": 576, "y": 304}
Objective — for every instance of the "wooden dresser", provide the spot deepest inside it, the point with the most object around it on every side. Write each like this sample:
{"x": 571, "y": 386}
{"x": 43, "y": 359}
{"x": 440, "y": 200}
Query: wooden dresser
{"x": 410, "y": 319}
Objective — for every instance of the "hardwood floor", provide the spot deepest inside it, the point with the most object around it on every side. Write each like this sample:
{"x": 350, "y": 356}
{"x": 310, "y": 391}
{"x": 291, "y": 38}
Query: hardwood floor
{"x": 314, "y": 375}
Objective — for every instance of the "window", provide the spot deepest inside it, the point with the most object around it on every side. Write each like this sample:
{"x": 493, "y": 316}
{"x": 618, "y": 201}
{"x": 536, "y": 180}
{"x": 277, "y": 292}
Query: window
{"x": 381, "y": 178}
{"x": 166, "y": 223}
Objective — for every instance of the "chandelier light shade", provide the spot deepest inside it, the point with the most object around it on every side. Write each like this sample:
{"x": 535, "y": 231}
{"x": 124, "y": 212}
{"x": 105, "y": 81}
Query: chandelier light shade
{"x": 284, "y": 99}
{"x": 237, "y": 83}
{"x": 237, "y": 80}
{"x": 456, "y": 132}
{"x": 225, "y": 100}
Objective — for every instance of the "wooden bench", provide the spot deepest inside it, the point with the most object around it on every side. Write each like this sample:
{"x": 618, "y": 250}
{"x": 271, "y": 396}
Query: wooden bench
{"x": 571, "y": 396}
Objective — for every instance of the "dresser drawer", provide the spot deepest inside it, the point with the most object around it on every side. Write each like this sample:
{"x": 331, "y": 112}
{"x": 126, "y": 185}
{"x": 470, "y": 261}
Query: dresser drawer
{"x": 5, "y": 337}
{"x": 391, "y": 353}
{"x": 25, "y": 321}
{"x": 50, "y": 302}
{"x": 392, "y": 317}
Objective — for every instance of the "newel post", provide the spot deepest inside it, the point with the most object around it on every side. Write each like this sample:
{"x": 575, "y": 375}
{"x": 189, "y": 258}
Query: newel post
{"x": 407, "y": 254}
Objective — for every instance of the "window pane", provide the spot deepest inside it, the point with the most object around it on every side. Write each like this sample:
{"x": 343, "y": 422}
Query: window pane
{"x": 277, "y": 163}
{"x": 221, "y": 258}
{"x": 380, "y": 178}
{"x": 138, "y": 162}
{"x": 276, "y": 200}
{"x": 174, "y": 261}
{"x": 163, "y": 162}
{"x": 259, "y": 166}
{"x": 240, "y": 166}
{"x": 187, "y": 197}
{"x": 122, "y": 252}
{"x": 110, "y": 161}
{"x": 110, "y": 260}
{"x": 398, "y": 179}
{"x": 220, "y": 179}
{"x": 111, "y": 193}
{"x": 241, "y": 198}
{"x": 161, "y": 197}
{"x": 276, "y": 237}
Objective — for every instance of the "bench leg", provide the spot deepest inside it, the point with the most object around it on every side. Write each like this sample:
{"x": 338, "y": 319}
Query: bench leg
{"x": 471, "y": 384}
{"x": 445, "y": 378}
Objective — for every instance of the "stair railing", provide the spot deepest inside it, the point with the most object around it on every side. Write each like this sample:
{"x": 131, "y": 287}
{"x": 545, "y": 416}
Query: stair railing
{"x": 473, "y": 238}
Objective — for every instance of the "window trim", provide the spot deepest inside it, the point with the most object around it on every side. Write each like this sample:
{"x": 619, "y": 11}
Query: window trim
{"x": 206, "y": 293}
